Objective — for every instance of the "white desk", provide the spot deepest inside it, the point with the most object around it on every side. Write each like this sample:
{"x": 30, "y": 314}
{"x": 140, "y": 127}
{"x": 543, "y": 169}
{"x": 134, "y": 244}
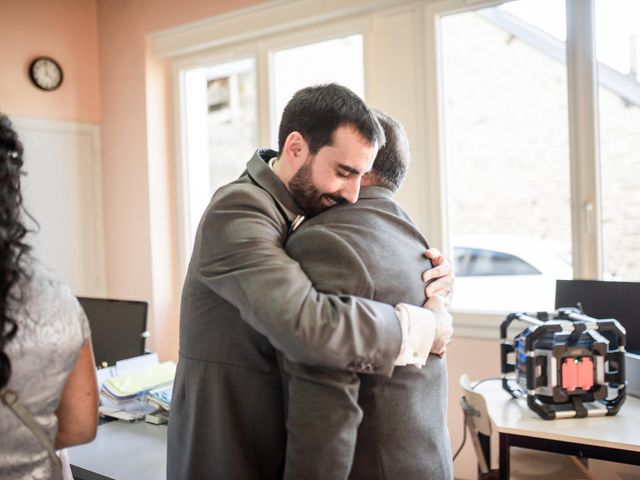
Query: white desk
{"x": 615, "y": 438}
{"x": 122, "y": 451}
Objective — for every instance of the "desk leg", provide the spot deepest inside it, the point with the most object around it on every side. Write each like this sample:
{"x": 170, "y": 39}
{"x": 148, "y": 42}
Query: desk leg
{"x": 504, "y": 456}
{"x": 485, "y": 445}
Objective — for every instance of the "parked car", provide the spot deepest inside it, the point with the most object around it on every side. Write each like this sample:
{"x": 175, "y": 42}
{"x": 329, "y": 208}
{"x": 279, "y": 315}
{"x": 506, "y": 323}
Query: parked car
{"x": 505, "y": 274}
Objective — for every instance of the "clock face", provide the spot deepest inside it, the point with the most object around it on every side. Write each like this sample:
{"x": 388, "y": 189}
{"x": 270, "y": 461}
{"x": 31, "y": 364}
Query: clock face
{"x": 45, "y": 73}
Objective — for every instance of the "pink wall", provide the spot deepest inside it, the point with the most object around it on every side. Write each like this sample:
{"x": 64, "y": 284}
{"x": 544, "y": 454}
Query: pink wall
{"x": 125, "y": 174}
{"x": 479, "y": 359}
{"x": 65, "y": 30}
{"x": 162, "y": 198}
{"x": 163, "y": 14}
{"x": 138, "y": 164}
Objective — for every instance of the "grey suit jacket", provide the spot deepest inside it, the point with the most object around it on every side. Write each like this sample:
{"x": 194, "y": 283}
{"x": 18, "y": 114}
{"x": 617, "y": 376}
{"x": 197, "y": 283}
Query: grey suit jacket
{"x": 371, "y": 249}
{"x": 242, "y": 297}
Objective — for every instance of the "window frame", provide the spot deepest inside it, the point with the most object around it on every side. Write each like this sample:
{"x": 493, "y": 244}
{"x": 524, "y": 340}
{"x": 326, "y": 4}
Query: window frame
{"x": 254, "y": 31}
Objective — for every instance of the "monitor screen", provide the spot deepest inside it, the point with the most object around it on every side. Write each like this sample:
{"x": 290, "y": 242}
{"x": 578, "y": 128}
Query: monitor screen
{"x": 117, "y": 328}
{"x": 601, "y": 299}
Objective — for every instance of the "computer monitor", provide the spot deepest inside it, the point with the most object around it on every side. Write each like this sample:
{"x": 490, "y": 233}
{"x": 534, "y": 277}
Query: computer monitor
{"x": 117, "y": 328}
{"x": 602, "y": 299}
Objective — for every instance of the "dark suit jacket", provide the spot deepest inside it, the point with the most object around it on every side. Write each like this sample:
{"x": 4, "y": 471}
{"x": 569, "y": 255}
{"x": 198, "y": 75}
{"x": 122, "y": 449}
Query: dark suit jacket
{"x": 242, "y": 297}
{"x": 371, "y": 249}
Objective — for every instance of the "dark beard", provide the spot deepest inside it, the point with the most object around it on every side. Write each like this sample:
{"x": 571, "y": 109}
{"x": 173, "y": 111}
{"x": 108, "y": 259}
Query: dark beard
{"x": 306, "y": 194}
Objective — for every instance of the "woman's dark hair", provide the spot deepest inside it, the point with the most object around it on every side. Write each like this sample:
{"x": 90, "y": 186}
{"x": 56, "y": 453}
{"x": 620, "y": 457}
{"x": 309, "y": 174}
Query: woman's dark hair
{"x": 316, "y": 112}
{"x": 12, "y": 232}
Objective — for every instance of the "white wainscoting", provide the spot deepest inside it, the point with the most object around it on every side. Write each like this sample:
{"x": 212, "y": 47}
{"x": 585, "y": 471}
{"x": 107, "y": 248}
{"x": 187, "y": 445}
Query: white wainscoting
{"x": 62, "y": 191}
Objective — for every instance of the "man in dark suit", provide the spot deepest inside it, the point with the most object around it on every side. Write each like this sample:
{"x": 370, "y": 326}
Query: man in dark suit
{"x": 243, "y": 296}
{"x": 371, "y": 249}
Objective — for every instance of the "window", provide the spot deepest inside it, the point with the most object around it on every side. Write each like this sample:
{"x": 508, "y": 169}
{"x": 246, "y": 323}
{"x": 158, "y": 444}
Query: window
{"x": 220, "y": 132}
{"x": 506, "y": 146}
{"x": 618, "y": 53}
{"x": 232, "y": 119}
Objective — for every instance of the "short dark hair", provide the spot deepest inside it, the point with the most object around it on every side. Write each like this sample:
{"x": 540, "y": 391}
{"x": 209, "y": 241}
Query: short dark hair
{"x": 316, "y": 112}
{"x": 392, "y": 161}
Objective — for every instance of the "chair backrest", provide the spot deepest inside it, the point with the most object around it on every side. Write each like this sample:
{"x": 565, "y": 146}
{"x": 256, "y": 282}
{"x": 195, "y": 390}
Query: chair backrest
{"x": 475, "y": 400}
{"x": 476, "y": 419}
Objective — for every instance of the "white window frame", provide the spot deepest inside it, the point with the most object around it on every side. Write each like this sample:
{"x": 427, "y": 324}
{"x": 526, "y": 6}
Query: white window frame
{"x": 285, "y": 23}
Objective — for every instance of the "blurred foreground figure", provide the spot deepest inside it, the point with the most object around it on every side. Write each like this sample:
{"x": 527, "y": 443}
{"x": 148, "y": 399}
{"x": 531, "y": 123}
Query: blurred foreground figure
{"x": 48, "y": 391}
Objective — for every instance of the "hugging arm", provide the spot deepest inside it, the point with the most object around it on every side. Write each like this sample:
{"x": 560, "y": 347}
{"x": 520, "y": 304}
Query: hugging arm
{"x": 243, "y": 261}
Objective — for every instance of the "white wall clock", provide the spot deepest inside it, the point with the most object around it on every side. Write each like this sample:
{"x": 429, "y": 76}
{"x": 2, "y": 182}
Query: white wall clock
{"x": 45, "y": 73}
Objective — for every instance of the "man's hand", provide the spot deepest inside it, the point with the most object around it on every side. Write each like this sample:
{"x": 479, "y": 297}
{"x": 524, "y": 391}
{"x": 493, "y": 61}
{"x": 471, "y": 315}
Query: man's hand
{"x": 444, "y": 324}
{"x": 440, "y": 278}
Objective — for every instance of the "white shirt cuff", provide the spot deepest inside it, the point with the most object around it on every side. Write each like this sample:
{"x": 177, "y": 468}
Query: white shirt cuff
{"x": 418, "y": 332}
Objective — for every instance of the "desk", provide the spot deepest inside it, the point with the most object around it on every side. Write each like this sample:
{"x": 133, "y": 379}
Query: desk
{"x": 615, "y": 439}
{"x": 122, "y": 451}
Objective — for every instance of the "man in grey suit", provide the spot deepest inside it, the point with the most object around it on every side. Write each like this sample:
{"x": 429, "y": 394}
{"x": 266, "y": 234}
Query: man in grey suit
{"x": 371, "y": 249}
{"x": 243, "y": 296}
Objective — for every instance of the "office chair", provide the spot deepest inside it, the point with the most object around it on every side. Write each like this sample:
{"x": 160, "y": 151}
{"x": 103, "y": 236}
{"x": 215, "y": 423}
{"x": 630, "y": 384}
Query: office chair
{"x": 526, "y": 464}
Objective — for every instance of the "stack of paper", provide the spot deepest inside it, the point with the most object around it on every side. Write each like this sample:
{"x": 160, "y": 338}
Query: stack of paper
{"x": 140, "y": 382}
{"x": 161, "y": 397}
{"x": 125, "y": 388}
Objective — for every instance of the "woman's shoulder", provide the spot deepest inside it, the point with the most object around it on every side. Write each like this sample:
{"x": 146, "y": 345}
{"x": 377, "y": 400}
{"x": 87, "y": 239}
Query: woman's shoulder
{"x": 44, "y": 294}
{"x": 41, "y": 280}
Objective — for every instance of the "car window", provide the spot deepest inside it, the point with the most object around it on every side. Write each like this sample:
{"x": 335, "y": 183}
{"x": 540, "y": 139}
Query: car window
{"x": 483, "y": 262}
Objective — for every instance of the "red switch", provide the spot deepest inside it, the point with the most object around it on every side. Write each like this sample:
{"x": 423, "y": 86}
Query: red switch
{"x": 569, "y": 374}
{"x": 577, "y": 372}
{"x": 585, "y": 373}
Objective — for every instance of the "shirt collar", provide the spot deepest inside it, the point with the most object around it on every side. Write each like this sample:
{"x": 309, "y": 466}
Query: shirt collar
{"x": 260, "y": 172}
{"x": 375, "y": 191}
